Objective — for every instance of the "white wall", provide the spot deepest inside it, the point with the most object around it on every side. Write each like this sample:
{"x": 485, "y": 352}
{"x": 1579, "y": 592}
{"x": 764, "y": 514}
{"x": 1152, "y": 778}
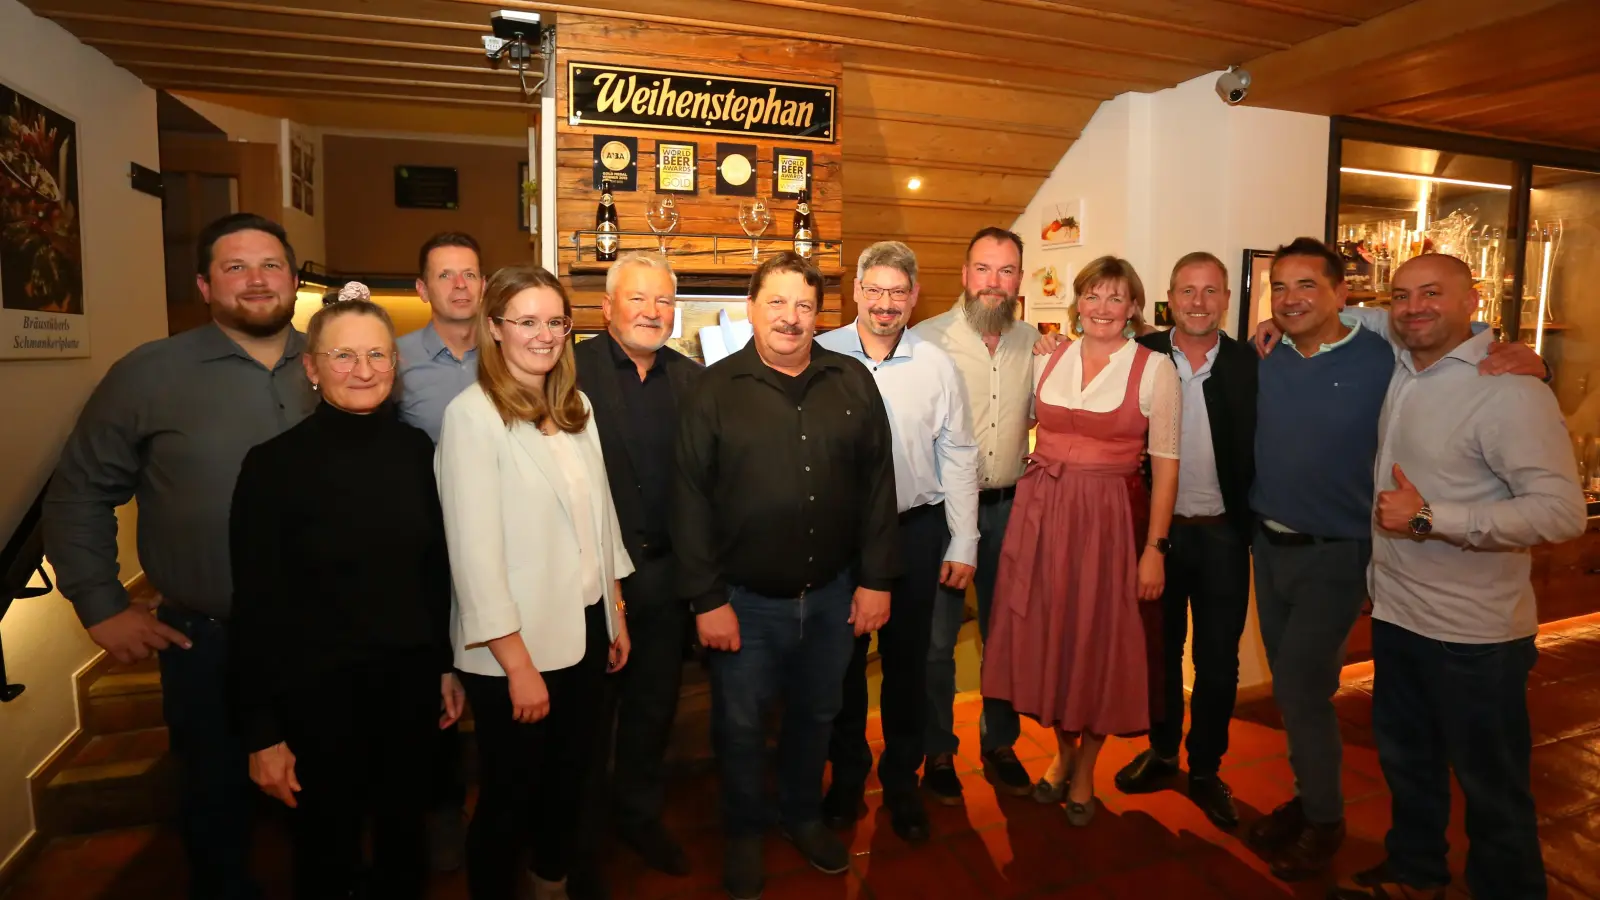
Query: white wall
{"x": 1176, "y": 171}
{"x": 124, "y": 295}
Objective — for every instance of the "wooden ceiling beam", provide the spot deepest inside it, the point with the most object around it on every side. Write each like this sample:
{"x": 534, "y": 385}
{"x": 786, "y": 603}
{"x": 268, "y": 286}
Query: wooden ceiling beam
{"x": 343, "y": 115}
{"x": 133, "y": 51}
{"x": 278, "y": 85}
{"x": 154, "y": 14}
{"x": 196, "y": 37}
{"x": 319, "y": 69}
{"x": 977, "y": 75}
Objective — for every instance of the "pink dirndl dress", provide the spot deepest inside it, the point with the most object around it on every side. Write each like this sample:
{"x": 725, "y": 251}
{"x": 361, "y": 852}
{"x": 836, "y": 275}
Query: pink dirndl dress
{"x": 1067, "y": 644}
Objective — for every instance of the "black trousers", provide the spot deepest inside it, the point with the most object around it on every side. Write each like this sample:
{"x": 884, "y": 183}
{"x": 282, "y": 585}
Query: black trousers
{"x": 362, "y": 739}
{"x": 903, "y": 658}
{"x": 1208, "y": 574}
{"x": 531, "y": 776}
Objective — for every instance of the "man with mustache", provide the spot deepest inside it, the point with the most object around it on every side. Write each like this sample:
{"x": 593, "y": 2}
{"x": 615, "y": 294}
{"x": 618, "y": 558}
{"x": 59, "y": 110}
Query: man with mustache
{"x": 784, "y": 525}
{"x": 992, "y": 350}
{"x": 1465, "y": 463}
{"x": 636, "y": 385}
{"x": 169, "y": 425}
{"x": 936, "y": 483}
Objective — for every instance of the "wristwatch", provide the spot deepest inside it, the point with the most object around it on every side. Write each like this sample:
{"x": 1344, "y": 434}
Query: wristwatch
{"x": 1163, "y": 545}
{"x": 1422, "y": 522}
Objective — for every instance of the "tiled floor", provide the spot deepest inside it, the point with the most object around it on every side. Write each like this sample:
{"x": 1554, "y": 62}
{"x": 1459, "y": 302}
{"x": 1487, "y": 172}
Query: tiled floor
{"x": 1150, "y": 846}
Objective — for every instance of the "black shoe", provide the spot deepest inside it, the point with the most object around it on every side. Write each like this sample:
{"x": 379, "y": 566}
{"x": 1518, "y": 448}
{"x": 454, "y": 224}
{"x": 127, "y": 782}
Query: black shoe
{"x": 843, "y": 805}
{"x": 659, "y": 851}
{"x": 908, "y": 817}
{"x": 1378, "y": 883}
{"x": 820, "y": 848}
{"x": 1001, "y": 767}
{"x": 1311, "y": 852}
{"x": 1211, "y": 794}
{"x": 1148, "y": 772}
{"x": 1277, "y": 829}
{"x": 587, "y": 883}
{"x": 742, "y": 873}
{"x": 939, "y": 779}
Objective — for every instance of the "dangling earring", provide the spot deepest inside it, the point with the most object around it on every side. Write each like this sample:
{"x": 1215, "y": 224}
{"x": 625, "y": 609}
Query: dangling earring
{"x": 1077, "y": 327}
{"x": 1127, "y": 330}
{"x": 315, "y": 386}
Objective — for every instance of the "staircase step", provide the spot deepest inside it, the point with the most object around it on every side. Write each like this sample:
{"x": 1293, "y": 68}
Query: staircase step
{"x": 123, "y": 700}
{"x": 115, "y": 781}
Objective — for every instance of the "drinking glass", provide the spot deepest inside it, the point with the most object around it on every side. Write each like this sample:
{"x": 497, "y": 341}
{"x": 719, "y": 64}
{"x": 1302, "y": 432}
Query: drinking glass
{"x": 662, "y": 215}
{"x": 754, "y": 217}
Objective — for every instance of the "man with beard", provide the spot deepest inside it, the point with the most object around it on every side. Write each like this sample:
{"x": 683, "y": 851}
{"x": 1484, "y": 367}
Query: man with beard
{"x": 635, "y": 385}
{"x": 783, "y": 522}
{"x": 936, "y": 483}
{"x": 1208, "y": 556}
{"x": 169, "y": 425}
{"x": 992, "y": 350}
{"x": 437, "y": 363}
{"x": 1471, "y": 471}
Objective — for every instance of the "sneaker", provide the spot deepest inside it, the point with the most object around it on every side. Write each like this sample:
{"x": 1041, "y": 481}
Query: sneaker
{"x": 1378, "y": 883}
{"x": 1149, "y": 771}
{"x": 939, "y": 779}
{"x": 742, "y": 873}
{"x": 820, "y": 848}
{"x": 1211, "y": 794}
{"x": 1277, "y": 829}
{"x": 1001, "y": 767}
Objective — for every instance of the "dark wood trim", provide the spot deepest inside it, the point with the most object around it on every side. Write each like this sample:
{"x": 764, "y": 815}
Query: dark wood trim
{"x": 1355, "y": 129}
{"x": 1330, "y": 224}
{"x": 1516, "y": 250}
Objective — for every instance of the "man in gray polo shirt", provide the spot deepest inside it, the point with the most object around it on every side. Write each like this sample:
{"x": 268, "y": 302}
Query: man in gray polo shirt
{"x": 1471, "y": 472}
{"x": 440, "y": 360}
{"x": 169, "y": 425}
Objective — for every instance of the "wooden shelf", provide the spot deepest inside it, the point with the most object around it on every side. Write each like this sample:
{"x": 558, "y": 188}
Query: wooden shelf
{"x": 702, "y": 266}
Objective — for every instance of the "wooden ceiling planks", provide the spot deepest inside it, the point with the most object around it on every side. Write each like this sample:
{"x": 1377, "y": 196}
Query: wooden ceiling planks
{"x": 1523, "y": 70}
{"x": 977, "y": 99}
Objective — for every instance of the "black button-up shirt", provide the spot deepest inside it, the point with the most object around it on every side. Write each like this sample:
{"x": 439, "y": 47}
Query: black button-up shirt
{"x": 651, "y": 432}
{"x": 783, "y": 482}
{"x": 168, "y": 425}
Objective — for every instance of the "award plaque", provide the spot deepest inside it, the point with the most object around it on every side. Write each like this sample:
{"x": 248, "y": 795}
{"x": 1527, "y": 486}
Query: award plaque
{"x": 736, "y": 169}
{"x": 616, "y": 163}
{"x": 675, "y": 168}
{"x": 791, "y": 172}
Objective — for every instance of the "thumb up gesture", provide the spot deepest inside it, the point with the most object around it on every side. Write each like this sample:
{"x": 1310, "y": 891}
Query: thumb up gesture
{"x": 1397, "y": 507}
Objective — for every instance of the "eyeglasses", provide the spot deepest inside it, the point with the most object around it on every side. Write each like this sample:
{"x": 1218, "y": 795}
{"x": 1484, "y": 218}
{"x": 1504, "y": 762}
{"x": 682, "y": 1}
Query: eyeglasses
{"x": 527, "y": 329}
{"x": 344, "y": 361}
{"x": 874, "y": 293}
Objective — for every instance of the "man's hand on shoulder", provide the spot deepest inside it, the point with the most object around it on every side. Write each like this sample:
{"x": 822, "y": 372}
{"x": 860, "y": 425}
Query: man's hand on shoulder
{"x": 1047, "y": 344}
{"x": 1513, "y": 358}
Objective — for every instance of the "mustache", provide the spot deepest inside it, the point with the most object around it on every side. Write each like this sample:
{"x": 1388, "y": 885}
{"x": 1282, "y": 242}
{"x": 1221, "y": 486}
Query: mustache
{"x": 878, "y": 311}
{"x": 785, "y": 328}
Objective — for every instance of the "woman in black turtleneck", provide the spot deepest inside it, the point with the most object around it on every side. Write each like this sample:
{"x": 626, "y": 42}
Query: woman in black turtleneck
{"x": 341, "y": 656}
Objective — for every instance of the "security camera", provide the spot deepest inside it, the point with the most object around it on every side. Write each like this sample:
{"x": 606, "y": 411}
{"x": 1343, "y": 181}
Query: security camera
{"x": 1233, "y": 85}
{"x": 509, "y": 24}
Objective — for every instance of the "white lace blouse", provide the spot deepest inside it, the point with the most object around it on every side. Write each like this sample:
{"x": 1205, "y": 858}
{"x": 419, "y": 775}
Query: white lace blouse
{"x": 1160, "y": 394}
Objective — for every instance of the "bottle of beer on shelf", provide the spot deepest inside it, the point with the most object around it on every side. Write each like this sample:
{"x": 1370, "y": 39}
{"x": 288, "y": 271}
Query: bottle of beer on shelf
{"x": 805, "y": 229}
{"x": 605, "y": 222}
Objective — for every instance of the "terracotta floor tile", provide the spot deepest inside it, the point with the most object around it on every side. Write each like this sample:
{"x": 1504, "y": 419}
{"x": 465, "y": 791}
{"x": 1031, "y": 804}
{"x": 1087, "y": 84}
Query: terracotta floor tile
{"x": 809, "y": 884}
{"x": 1249, "y": 742}
{"x": 1007, "y": 863}
{"x": 1169, "y": 878}
{"x": 933, "y": 872}
{"x": 1357, "y": 786}
{"x": 1571, "y": 847}
{"x": 1241, "y": 875}
{"x": 1566, "y": 779}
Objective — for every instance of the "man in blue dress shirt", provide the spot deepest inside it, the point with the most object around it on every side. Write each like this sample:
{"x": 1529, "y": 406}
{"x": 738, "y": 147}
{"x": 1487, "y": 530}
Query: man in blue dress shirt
{"x": 936, "y": 486}
{"x": 437, "y": 363}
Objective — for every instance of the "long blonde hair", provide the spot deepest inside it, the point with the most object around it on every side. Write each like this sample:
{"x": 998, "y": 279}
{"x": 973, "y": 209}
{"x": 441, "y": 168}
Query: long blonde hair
{"x": 560, "y": 402}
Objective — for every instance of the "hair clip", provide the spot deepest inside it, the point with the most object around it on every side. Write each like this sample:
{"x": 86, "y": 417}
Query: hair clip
{"x": 355, "y": 290}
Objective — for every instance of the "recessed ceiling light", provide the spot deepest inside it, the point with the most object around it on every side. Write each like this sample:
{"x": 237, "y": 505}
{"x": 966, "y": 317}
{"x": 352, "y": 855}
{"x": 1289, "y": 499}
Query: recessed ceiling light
{"x": 914, "y": 183}
{"x": 1434, "y": 179}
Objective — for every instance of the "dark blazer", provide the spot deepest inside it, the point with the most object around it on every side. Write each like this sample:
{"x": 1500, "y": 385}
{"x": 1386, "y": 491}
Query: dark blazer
{"x": 597, "y": 378}
{"x": 1230, "y": 394}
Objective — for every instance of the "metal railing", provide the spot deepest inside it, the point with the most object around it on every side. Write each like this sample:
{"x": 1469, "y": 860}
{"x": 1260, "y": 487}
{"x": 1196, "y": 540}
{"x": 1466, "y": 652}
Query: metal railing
{"x": 722, "y": 245}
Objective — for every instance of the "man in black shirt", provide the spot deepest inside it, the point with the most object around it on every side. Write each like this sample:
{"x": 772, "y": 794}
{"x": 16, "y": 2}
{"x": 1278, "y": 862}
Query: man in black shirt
{"x": 785, "y": 530}
{"x": 635, "y": 385}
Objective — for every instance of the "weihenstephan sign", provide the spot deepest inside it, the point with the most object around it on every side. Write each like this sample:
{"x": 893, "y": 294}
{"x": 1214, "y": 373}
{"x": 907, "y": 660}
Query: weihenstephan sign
{"x": 684, "y": 101}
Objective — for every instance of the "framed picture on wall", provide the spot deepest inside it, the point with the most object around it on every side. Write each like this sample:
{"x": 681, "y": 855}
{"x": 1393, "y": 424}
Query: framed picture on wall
{"x": 1061, "y": 224}
{"x": 524, "y": 202}
{"x": 1255, "y": 292}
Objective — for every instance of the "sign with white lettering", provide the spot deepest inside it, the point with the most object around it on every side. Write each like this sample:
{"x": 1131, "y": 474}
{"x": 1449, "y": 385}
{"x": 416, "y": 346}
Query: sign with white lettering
{"x": 684, "y": 101}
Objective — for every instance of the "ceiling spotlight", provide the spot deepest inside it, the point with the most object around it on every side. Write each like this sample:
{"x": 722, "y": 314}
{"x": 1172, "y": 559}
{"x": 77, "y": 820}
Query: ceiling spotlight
{"x": 914, "y": 183}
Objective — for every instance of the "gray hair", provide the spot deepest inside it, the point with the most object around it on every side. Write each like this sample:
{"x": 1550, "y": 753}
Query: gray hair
{"x": 893, "y": 254}
{"x": 649, "y": 259}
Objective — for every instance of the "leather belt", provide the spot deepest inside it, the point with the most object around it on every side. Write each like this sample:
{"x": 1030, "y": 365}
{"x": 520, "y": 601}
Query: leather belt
{"x": 917, "y": 512}
{"x": 1294, "y": 539}
{"x": 997, "y": 495}
{"x": 1199, "y": 520}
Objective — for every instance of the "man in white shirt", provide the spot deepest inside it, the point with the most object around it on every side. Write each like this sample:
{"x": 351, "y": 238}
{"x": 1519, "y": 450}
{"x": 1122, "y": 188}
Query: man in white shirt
{"x": 992, "y": 350}
{"x": 936, "y": 485}
{"x": 1471, "y": 471}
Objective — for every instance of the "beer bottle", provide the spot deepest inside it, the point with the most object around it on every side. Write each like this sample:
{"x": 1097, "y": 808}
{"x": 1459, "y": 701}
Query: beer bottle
{"x": 605, "y": 222}
{"x": 805, "y": 229}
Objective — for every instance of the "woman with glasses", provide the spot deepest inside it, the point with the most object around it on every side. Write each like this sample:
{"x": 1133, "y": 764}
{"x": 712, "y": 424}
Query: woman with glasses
{"x": 341, "y": 664}
{"x": 536, "y": 556}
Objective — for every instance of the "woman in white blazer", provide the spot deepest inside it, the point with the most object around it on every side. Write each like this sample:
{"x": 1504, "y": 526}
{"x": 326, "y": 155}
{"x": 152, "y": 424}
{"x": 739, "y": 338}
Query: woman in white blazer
{"x": 535, "y": 558}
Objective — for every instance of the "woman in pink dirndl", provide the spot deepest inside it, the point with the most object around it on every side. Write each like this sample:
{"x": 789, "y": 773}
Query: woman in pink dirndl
{"x": 1066, "y": 642}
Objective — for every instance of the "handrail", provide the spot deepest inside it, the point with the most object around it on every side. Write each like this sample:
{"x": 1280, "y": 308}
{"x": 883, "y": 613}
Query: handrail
{"x": 22, "y": 558}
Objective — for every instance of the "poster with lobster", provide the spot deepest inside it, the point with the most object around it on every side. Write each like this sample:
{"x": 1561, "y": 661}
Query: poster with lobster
{"x": 41, "y": 240}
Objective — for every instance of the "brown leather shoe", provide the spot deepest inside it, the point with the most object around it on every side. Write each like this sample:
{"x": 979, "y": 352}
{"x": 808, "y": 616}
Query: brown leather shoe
{"x": 1310, "y": 853}
{"x": 1274, "y": 831}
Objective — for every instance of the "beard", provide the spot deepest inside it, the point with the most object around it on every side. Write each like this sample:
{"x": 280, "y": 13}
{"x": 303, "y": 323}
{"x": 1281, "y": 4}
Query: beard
{"x": 263, "y": 324}
{"x": 1195, "y": 330}
{"x": 645, "y": 340}
{"x": 987, "y": 319}
{"x": 884, "y": 330}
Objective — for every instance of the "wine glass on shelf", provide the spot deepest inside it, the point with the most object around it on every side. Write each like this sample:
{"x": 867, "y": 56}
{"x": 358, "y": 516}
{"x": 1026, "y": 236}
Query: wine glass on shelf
{"x": 754, "y": 218}
{"x": 662, "y": 215}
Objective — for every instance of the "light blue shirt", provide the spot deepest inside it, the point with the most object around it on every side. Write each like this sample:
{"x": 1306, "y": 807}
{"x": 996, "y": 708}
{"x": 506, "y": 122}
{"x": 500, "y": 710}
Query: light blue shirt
{"x": 430, "y": 377}
{"x": 1199, "y": 491}
{"x": 935, "y": 454}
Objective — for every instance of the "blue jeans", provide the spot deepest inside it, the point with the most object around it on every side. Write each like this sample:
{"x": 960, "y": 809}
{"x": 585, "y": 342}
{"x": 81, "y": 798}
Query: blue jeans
{"x": 215, "y": 794}
{"x": 1438, "y": 706}
{"x": 796, "y": 648}
{"x": 999, "y": 725}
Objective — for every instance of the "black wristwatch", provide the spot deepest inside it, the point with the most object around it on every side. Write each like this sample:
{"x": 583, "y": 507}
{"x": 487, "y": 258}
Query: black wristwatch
{"x": 1422, "y": 522}
{"x": 1163, "y": 545}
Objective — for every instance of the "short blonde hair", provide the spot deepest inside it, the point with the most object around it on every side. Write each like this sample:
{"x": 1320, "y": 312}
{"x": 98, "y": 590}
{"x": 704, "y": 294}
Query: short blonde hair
{"x": 1108, "y": 270}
